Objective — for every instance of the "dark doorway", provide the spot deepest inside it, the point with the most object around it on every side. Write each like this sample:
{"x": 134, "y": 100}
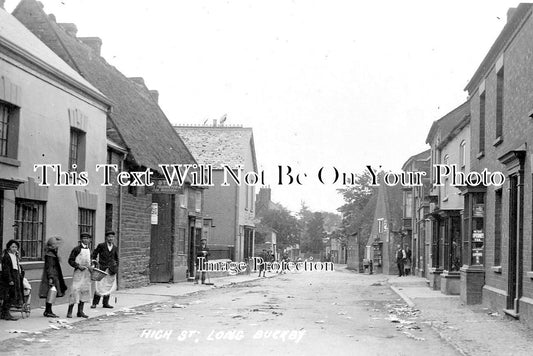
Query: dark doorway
{"x": 248, "y": 243}
{"x": 1, "y": 218}
{"x": 192, "y": 246}
{"x": 161, "y": 244}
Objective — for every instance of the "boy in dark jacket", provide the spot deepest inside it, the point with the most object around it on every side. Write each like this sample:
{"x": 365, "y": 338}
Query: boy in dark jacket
{"x": 52, "y": 275}
{"x": 107, "y": 255}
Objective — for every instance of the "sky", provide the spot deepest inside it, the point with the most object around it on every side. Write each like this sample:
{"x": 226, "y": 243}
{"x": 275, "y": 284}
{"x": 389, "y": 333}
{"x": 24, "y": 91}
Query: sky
{"x": 329, "y": 83}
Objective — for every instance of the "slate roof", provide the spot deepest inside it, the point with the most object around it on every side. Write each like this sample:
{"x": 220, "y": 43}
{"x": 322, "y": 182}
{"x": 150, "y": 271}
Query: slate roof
{"x": 420, "y": 156}
{"x": 450, "y": 123}
{"x": 218, "y": 145}
{"x": 141, "y": 124}
{"x": 12, "y": 31}
{"x": 392, "y": 198}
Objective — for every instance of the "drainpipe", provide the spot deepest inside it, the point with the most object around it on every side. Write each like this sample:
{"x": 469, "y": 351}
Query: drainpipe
{"x": 237, "y": 230}
{"x": 119, "y": 223}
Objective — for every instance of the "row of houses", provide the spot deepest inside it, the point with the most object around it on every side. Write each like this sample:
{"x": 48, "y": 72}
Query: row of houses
{"x": 61, "y": 103}
{"x": 474, "y": 240}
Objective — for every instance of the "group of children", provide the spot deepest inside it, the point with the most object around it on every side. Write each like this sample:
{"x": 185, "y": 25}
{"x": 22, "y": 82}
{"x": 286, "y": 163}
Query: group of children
{"x": 12, "y": 282}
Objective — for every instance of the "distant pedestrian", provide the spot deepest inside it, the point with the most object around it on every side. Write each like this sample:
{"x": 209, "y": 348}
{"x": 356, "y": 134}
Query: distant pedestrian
{"x": 80, "y": 260}
{"x": 264, "y": 260}
{"x": 201, "y": 251}
{"x": 106, "y": 254}
{"x": 400, "y": 260}
{"x": 11, "y": 280}
{"x": 408, "y": 261}
{"x": 52, "y": 277}
{"x": 284, "y": 262}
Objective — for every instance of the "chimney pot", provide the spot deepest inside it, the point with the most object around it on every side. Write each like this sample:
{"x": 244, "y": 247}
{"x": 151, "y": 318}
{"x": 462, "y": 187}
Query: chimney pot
{"x": 155, "y": 95}
{"x": 214, "y": 122}
{"x": 137, "y": 80}
{"x": 69, "y": 28}
{"x": 510, "y": 13}
{"x": 94, "y": 42}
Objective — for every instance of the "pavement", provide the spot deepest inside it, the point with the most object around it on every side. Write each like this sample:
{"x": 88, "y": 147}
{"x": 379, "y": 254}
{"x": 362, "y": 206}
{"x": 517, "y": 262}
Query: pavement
{"x": 469, "y": 329}
{"x": 122, "y": 300}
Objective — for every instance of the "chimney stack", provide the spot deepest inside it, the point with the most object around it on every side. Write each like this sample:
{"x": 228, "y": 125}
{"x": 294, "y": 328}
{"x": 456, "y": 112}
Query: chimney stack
{"x": 138, "y": 80}
{"x": 155, "y": 95}
{"x": 510, "y": 13}
{"x": 94, "y": 42}
{"x": 2, "y": 4}
{"x": 214, "y": 122}
{"x": 69, "y": 28}
{"x": 265, "y": 195}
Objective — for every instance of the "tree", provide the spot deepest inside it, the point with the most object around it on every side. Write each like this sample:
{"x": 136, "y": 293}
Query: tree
{"x": 283, "y": 223}
{"x": 332, "y": 221}
{"x": 358, "y": 210}
{"x": 315, "y": 231}
{"x": 304, "y": 217}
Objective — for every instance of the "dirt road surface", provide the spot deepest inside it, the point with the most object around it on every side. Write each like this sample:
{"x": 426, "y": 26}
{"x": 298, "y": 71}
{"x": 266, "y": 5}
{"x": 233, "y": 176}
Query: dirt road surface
{"x": 308, "y": 313}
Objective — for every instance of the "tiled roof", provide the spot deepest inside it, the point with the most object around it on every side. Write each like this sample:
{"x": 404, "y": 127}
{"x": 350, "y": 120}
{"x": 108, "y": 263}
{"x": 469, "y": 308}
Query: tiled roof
{"x": 140, "y": 122}
{"x": 420, "y": 156}
{"x": 15, "y": 33}
{"x": 448, "y": 124}
{"x": 218, "y": 145}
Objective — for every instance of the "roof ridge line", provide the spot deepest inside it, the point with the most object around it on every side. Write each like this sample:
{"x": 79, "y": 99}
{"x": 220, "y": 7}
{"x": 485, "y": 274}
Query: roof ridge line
{"x": 49, "y": 22}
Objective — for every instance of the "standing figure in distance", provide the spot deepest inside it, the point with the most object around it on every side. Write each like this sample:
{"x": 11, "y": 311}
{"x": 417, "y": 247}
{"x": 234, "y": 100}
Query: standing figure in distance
{"x": 408, "y": 260}
{"x": 400, "y": 259}
{"x": 265, "y": 258}
{"x": 202, "y": 251}
{"x": 52, "y": 275}
{"x": 107, "y": 254}
{"x": 80, "y": 260}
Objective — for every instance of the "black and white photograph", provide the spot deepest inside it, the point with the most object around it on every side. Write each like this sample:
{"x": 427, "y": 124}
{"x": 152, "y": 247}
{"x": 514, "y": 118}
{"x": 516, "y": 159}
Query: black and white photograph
{"x": 295, "y": 177}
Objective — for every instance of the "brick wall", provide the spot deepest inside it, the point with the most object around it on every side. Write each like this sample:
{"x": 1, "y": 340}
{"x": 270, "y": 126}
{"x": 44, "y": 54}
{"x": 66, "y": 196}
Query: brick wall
{"x": 135, "y": 240}
{"x": 133, "y": 234}
{"x": 517, "y": 131}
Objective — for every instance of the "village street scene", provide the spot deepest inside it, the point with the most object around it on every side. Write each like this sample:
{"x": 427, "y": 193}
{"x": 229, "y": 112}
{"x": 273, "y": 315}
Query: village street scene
{"x": 297, "y": 190}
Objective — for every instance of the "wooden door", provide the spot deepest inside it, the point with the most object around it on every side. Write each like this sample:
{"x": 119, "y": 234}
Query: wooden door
{"x": 192, "y": 247}
{"x": 161, "y": 244}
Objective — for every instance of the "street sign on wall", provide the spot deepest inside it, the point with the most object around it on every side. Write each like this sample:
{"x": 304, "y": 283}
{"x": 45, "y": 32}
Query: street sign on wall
{"x": 154, "y": 213}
